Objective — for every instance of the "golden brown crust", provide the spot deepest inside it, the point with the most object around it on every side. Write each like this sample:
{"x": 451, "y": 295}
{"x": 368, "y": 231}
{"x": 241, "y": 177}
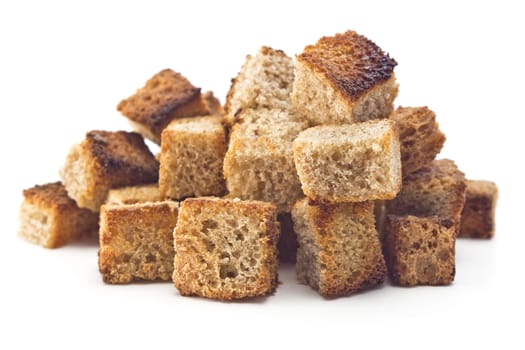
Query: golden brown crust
{"x": 50, "y": 218}
{"x": 134, "y": 194}
{"x": 420, "y": 251}
{"x": 419, "y": 135}
{"x": 49, "y": 195}
{"x": 437, "y": 189}
{"x": 352, "y": 63}
{"x": 167, "y": 95}
{"x": 339, "y": 251}
{"x": 226, "y": 249}
{"x": 478, "y": 216}
{"x": 136, "y": 241}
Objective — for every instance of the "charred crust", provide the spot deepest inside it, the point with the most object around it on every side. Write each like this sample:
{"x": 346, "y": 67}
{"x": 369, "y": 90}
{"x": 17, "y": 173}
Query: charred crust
{"x": 351, "y": 62}
{"x": 124, "y": 152}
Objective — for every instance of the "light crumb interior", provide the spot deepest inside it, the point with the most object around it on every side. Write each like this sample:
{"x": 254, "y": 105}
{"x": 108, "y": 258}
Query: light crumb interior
{"x": 348, "y": 163}
{"x": 35, "y": 224}
{"x": 76, "y": 178}
{"x": 191, "y": 159}
{"x": 259, "y": 162}
{"x": 314, "y": 97}
{"x": 265, "y": 81}
{"x": 224, "y": 254}
{"x": 134, "y": 194}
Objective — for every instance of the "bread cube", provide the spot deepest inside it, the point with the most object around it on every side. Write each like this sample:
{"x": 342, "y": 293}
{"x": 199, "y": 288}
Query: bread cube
{"x": 226, "y": 249}
{"x": 344, "y": 78}
{"x": 166, "y": 96}
{"x": 48, "y": 217}
{"x": 339, "y": 251}
{"x": 191, "y": 157}
{"x": 478, "y": 217}
{"x": 106, "y": 160}
{"x": 349, "y": 163}
{"x": 420, "y": 250}
{"x": 259, "y": 162}
{"x": 265, "y": 81}
{"x": 134, "y": 194}
{"x": 437, "y": 189}
{"x": 136, "y": 241}
{"x": 419, "y": 135}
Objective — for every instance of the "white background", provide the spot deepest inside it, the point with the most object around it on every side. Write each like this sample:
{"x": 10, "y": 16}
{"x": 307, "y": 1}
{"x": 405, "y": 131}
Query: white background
{"x": 64, "y": 66}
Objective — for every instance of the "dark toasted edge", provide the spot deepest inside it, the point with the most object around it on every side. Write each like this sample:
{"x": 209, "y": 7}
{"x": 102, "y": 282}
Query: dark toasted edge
{"x": 99, "y": 144}
{"x": 351, "y": 87}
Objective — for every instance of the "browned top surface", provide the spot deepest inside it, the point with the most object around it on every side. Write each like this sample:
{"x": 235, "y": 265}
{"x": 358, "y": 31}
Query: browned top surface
{"x": 263, "y": 210}
{"x": 122, "y": 151}
{"x": 49, "y": 195}
{"x": 164, "y": 92}
{"x": 351, "y": 62}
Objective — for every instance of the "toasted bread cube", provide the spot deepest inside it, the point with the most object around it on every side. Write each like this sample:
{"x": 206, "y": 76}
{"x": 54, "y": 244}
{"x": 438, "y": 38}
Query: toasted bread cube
{"x": 420, "y": 250}
{"x": 48, "y": 217}
{"x": 226, "y": 249}
{"x": 136, "y": 241}
{"x": 287, "y": 244}
{"x": 191, "y": 157}
{"x": 345, "y": 78}
{"x": 166, "y": 96}
{"x": 265, "y": 81}
{"x": 339, "y": 251}
{"x": 349, "y": 163}
{"x": 106, "y": 160}
{"x": 259, "y": 162}
{"x": 478, "y": 217}
{"x": 419, "y": 135}
{"x": 437, "y": 189}
{"x": 134, "y": 194}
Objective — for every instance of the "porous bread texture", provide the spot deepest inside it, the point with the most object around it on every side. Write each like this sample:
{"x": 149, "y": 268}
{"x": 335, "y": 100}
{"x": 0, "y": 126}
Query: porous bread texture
{"x": 48, "y": 217}
{"x": 287, "y": 244}
{"x": 226, "y": 249}
{"x": 259, "y": 162}
{"x": 344, "y": 78}
{"x": 191, "y": 158}
{"x": 437, "y": 189}
{"x": 339, "y": 251}
{"x": 420, "y": 250}
{"x": 419, "y": 135}
{"x": 136, "y": 241}
{"x": 265, "y": 81}
{"x": 134, "y": 194}
{"x": 106, "y": 160}
{"x": 478, "y": 216}
{"x": 165, "y": 96}
{"x": 349, "y": 163}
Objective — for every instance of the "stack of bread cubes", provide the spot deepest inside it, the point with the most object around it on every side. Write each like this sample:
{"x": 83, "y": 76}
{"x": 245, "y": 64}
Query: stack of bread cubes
{"x": 306, "y": 162}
